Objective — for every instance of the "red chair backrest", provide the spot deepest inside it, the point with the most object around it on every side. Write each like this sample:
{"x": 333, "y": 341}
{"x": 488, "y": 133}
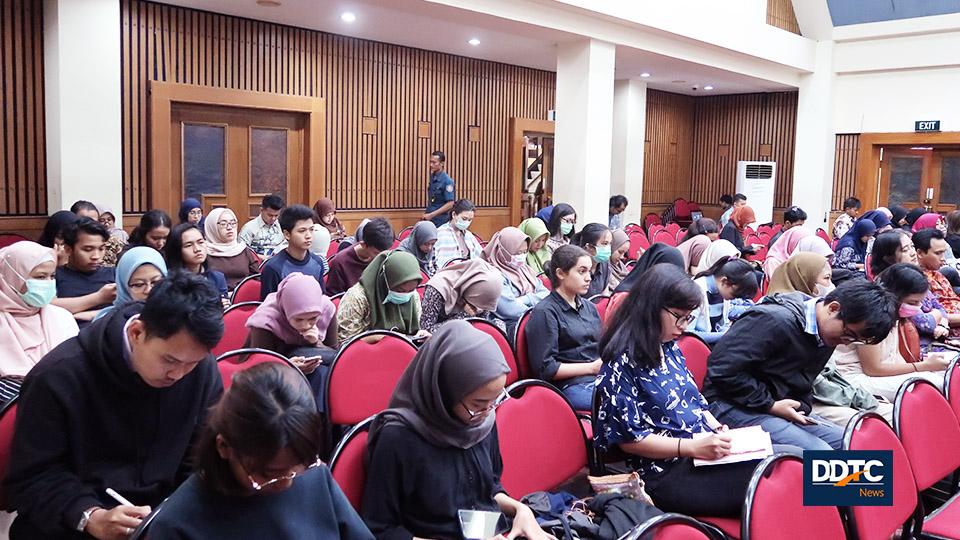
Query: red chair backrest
{"x": 233, "y": 362}
{"x": 542, "y": 442}
{"x": 405, "y": 233}
{"x": 333, "y": 249}
{"x": 673, "y": 227}
{"x": 613, "y": 305}
{"x": 520, "y": 347}
{"x": 546, "y": 281}
{"x": 631, "y": 227}
{"x": 951, "y": 387}
{"x": 654, "y": 229}
{"x": 681, "y": 208}
{"x": 652, "y": 219}
{"x": 774, "y": 508}
{"x": 823, "y": 234}
{"x": 9, "y": 239}
{"x": 363, "y": 376}
{"x": 500, "y": 337}
{"x": 638, "y": 241}
{"x": 926, "y": 426}
{"x": 336, "y": 299}
{"x": 665, "y": 236}
{"x": 7, "y": 422}
{"x": 421, "y": 290}
{"x": 235, "y": 327}
{"x": 764, "y": 236}
{"x": 348, "y": 464}
{"x": 777, "y": 227}
{"x": 248, "y": 290}
{"x": 602, "y": 304}
{"x": 869, "y": 431}
{"x": 696, "y": 353}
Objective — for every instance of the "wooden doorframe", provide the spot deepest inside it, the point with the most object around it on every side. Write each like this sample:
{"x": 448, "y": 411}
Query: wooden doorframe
{"x": 519, "y": 126}
{"x": 868, "y": 157}
{"x": 164, "y": 95}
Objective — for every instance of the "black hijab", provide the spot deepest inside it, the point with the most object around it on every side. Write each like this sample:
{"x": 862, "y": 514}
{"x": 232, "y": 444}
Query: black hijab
{"x": 658, "y": 253}
{"x": 912, "y": 217}
{"x": 899, "y": 213}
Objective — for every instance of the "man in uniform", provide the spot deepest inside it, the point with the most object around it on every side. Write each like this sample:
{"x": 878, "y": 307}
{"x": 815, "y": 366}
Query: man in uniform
{"x": 440, "y": 194}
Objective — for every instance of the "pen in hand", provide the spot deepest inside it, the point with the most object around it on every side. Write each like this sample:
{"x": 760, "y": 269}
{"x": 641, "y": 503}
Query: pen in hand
{"x": 119, "y": 498}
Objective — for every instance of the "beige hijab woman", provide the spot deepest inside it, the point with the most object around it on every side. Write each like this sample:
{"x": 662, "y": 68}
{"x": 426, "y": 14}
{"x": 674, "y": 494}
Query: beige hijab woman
{"x": 473, "y": 281}
{"x": 716, "y": 251}
{"x": 500, "y": 254}
{"x": 798, "y": 274}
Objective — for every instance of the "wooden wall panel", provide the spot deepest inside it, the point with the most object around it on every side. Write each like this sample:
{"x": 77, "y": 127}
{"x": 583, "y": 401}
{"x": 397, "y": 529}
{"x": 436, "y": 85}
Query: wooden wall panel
{"x": 400, "y": 87}
{"x": 23, "y": 159}
{"x": 780, "y": 14}
{"x": 845, "y": 168}
{"x": 668, "y": 154}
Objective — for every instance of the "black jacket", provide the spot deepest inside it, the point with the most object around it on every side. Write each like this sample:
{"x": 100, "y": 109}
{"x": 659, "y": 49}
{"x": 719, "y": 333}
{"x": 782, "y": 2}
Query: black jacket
{"x": 766, "y": 356}
{"x": 731, "y": 234}
{"x": 86, "y": 421}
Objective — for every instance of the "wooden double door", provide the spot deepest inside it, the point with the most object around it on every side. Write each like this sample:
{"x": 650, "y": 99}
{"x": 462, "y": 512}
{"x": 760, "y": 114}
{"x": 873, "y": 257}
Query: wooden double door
{"x": 915, "y": 176}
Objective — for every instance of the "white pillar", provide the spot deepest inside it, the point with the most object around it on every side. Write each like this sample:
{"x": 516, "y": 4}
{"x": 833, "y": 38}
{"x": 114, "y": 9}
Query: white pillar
{"x": 82, "y": 85}
{"x": 814, "y": 150}
{"x": 629, "y": 132}
{"x": 584, "y": 130}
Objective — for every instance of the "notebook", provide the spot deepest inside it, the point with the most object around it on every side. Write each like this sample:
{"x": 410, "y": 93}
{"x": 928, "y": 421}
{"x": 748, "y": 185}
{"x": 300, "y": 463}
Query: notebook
{"x": 746, "y": 443}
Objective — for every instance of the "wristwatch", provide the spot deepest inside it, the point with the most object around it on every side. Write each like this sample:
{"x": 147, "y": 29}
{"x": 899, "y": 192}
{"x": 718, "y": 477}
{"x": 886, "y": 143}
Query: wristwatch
{"x": 85, "y": 518}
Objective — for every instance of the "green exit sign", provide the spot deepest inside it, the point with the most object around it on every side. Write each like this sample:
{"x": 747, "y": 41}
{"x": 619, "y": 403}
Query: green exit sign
{"x": 927, "y": 125}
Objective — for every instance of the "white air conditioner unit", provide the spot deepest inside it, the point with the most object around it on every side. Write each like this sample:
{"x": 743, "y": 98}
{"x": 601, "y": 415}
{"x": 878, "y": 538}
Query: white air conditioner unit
{"x": 757, "y": 180}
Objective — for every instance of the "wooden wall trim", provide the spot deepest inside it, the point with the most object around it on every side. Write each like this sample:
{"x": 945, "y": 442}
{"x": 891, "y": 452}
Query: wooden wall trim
{"x": 517, "y": 156}
{"x": 844, "y": 169}
{"x": 868, "y": 158}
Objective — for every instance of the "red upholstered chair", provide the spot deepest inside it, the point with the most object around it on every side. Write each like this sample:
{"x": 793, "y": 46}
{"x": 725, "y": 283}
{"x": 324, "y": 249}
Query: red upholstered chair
{"x": 614, "y": 304}
{"x": 363, "y": 376}
{"x": 652, "y": 219}
{"x": 405, "y": 233}
{"x": 680, "y": 234}
{"x": 777, "y": 227}
{"x": 696, "y": 353}
{"x": 8, "y": 417}
{"x": 235, "y": 361}
{"x": 823, "y": 234}
{"x": 500, "y": 337}
{"x": 542, "y": 442}
{"x": 951, "y": 386}
{"x": 638, "y": 241}
{"x": 424, "y": 278}
{"x": 869, "y": 431}
{"x": 673, "y": 228}
{"x": 774, "y": 507}
{"x": 8, "y": 239}
{"x": 333, "y": 249}
{"x": 632, "y": 227}
{"x": 545, "y": 280}
{"x": 235, "y": 327}
{"x": 336, "y": 299}
{"x": 348, "y": 464}
{"x": 601, "y": 302}
{"x": 665, "y": 236}
{"x": 764, "y": 236}
{"x": 396, "y": 244}
{"x": 248, "y": 290}
{"x": 927, "y": 427}
{"x": 670, "y": 527}
{"x": 520, "y": 346}
{"x": 421, "y": 290}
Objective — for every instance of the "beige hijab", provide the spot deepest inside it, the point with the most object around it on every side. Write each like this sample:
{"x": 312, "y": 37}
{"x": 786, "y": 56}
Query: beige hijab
{"x": 473, "y": 281}
{"x": 217, "y": 244}
{"x": 499, "y": 253}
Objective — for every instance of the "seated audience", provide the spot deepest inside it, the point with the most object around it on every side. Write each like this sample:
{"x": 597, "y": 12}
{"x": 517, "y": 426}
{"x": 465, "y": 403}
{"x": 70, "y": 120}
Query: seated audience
{"x": 109, "y": 220}
{"x": 435, "y": 450}
{"x": 807, "y": 273}
{"x": 118, "y": 406}
{"x": 186, "y": 249}
{"x": 258, "y": 471}
{"x": 420, "y": 244}
{"x": 597, "y": 240}
{"x": 152, "y": 231}
{"x": 561, "y": 226}
{"x": 781, "y": 251}
{"x": 723, "y": 282}
{"x": 85, "y": 209}
{"x": 931, "y": 246}
{"x": 658, "y": 253}
{"x": 618, "y": 203}
{"x": 851, "y": 252}
{"x": 792, "y": 217}
{"x": 693, "y": 250}
{"x": 880, "y": 217}
{"x": 953, "y": 232}
{"x": 191, "y": 211}
{"x": 538, "y": 254}
{"x": 736, "y": 229}
{"x": 296, "y": 222}
{"x": 327, "y": 214}
{"x": 898, "y": 216}
{"x": 762, "y": 371}
{"x": 618, "y": 261}
{"x": 507, "y": 252}
{"x": 84, "y": 285}
{"x": 703, "y": 226}
{"x": 263, "y": 233}
{"x": 346, "y": 267}
{"x": 912, "y": 217}
{"x": 454, "y": 240}
{"x": 649, "y": 405}
{"x": 140, "y": 270}
{"x": 844, "y": 222}
{"x": 814, "y": 244}
{"x": 385, "y": 298}
{"x": 461, "y": 290}
{"x": 231, "y": 258}
{"x": 52, "y": 235}
{"x": 563, "y": 330}
{"x": 716, "y": 251}
{"x": 30, "y": 326}
{"x": 321, "y": 242}
{"x": 351, "y": 240}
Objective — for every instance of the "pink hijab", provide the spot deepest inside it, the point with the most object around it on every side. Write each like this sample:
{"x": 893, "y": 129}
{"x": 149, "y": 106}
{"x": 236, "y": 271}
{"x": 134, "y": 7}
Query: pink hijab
{"x": 927, "y": 221}
{"x": 27, "y": 333}
{"x": 783, "y": 248}
{"x": 297, "y": 294}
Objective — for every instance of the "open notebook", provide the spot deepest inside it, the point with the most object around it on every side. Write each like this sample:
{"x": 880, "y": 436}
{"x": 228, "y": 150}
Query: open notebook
{"x": 745, "y": 444}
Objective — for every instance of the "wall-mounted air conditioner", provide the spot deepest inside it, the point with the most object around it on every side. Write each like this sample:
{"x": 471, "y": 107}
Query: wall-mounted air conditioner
{"x": 757, "y": 180}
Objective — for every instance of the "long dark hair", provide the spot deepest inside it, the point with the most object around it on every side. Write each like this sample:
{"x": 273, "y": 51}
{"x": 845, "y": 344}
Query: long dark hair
{"x": 149, "y": 221}
{"x": 559, "y": 212}
{"x": 589, "y": 235}
{"x": 635, "y": 327}
{"x": 268, "y": 408}
{"x": 173, "y": 250}
{"x": 885, "y": 247}
{"x": 55, "y": 227}
{"x": 903, "y": 279}
{"x": 737, "y": 272}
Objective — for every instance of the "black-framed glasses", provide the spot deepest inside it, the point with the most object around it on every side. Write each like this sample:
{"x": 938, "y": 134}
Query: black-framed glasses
{"x": 232, "y": 224}
{"x": 144, "y": 285}
{"x": 257, "y": 486}
{"x": 681, "y": 321}
{"x": 850, "y": 338}
{"x": 504, "y": 395}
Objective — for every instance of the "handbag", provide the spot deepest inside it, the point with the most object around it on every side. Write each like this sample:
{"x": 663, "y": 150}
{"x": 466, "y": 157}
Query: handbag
{"x": 629, "y": 485}
{"x": 908, "y": 340}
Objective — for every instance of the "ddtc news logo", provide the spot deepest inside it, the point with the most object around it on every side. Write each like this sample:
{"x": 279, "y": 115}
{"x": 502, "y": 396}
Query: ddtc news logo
{"x": 848, "y": 478}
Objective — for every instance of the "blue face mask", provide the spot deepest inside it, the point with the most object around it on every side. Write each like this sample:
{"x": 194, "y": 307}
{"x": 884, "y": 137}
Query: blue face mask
{"x": 399, "y": 298}
{"x": 40, "y": 292}
{"x": 603, "y": 254}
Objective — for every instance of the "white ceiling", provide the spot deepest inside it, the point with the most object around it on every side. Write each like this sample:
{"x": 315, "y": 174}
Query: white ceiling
{"x": 426, "y": 25}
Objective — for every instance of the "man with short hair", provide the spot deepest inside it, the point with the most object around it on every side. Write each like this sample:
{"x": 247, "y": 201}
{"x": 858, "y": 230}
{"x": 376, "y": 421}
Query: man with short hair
{"x": 263, "y": 234}
{"x": 296, "y": 222}
{"x": 762, "y": 370}
{"x": 736, "y": 201}
{"x": 792, "y": 217}
{"x": 115, "y": 407}
{"x": 441, "y": 192}
{"x": 346, "y": 266}
{"x": 84, "y": 208}
{"x": 851, "y": 207}
{"x": 931, "y": 247}
{"x": 618, "y": 203}
{"x": 84, "y": 285}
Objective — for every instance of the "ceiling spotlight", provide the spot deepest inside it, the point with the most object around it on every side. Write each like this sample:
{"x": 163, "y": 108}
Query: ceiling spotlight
{"x": 644, "y": 74}
{"x": 708, "y": 87}
{"x": 348, "y": 17}
{"x": 474, "y": 41}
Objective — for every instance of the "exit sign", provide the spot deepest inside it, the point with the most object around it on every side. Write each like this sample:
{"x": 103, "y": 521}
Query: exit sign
{"x": 927, "y": 125}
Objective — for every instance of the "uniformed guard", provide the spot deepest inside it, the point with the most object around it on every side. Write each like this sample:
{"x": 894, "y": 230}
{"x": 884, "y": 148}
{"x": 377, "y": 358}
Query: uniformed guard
{"x": 441, "y": 193}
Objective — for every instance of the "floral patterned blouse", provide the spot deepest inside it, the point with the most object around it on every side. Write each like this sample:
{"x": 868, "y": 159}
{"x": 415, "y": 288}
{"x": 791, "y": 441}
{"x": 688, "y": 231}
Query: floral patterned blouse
{"x": 433, "y": 313}
{"x": 636, "y": 402}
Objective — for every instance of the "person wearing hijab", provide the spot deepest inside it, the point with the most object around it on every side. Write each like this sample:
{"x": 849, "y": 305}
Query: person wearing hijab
{"x": 29, "y": 325}
{"x": 912, "y": 217}
{"x": 545, "y": 213}
{"x": 879, "y": 218}
{"x": 321, "y": 242}
{"x": 693, "y": 250}
{"x": 597, "y": 240}
{"x": 52, "y": 235}
{"x": 716, "y": 251}
{"x": 507, "y": 252}
{"x": 467, "y": 289}
{"x": 138, "y": 272}
{"x": 733, "y": 231}
{"x": 930, "y": 220}
{"x": 804, "y": 272}
{"x": 851, "y": 251}
{"x": 658, "y": 253}
{"x": 327, "y": 214}
{"x": 385, "y": 298}
{"x": 538, "y": 253}
{"x": 899, "y": 216}
{"x": 784, "y": 248}
{"x": 814, "y": 244}
{"x": 228, "y": 256}
{"x": 420, "y": 244}
{"x": 618, "y": 260}
{"x": 109, "y": 220}
{"x": 435, "y": 450}
{"x": 191, "y": 211}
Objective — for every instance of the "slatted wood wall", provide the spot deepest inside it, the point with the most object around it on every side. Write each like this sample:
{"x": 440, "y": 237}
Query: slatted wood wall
{"x": 668, "y": 148}
{"x": 780, "y": 14}
{"x": 845, "y": 168}
{"x": 23, "y": 176}
{"x": 387, "y": 106}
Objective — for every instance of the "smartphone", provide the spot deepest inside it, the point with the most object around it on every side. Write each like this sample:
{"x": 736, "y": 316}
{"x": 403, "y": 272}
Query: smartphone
{"x": 419, "y": 340}
{"x": 478, "y": 524}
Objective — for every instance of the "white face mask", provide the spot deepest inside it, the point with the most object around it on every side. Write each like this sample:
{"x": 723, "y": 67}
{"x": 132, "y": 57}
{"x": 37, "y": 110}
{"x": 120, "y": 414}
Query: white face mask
{"x": 823, "y": 290}
{"x": 520, "y": 260}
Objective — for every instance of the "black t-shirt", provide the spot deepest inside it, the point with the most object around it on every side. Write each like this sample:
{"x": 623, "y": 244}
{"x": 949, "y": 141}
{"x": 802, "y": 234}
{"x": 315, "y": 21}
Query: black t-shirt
{"x": 73, "y": 283}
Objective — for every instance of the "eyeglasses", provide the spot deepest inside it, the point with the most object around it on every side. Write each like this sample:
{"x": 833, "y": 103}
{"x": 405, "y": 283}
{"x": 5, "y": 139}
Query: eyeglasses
{"x": 141, "y": 285}
{"x": 493, "y": 404}
{"x": 850, "y": 338}
{"x": 569, "y": 219}
{"x": 257, "y": 486}
{"x": 227, "y": 224}
{"x": 681, "y": 320}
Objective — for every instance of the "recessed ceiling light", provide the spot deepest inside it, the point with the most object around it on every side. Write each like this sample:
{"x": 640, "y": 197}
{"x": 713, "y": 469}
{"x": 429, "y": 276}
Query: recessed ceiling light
{"x": 474, "y": 41}
{"x": 348, "y": 17}
{"x": 708, "y": 87}
{"x": 269, "y": 3}
{"x": 678, "y": 81}
{"x": 644, "y": 74}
